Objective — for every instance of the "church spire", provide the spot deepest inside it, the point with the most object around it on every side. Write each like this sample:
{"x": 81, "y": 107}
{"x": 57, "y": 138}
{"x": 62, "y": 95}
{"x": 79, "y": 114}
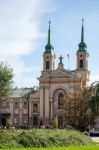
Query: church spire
{"x": 49, "y": 55}
{"x": 49, "y": 33}
{"x": 82, "y": 31}
{"x": 82, "y": 44}
{"x": 49, "y": 48}
{"x": 82, "y": 58}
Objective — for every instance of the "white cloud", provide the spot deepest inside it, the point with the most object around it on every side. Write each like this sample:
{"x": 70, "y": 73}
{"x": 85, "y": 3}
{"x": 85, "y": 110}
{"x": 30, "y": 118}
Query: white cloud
{"x": 18, "y": 26}
{"x": 20, "y": 34}
{"x": 94, "y": 78}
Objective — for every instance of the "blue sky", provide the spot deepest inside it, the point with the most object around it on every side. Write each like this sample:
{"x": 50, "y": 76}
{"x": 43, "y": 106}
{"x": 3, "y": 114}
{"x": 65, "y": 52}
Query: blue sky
{"x": 23, "y": 35}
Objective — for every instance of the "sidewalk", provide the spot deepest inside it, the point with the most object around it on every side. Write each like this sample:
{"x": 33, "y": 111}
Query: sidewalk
{"x": 95, "y": 139}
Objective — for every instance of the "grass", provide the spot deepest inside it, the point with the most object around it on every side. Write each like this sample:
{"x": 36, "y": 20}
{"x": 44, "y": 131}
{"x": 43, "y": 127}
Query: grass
{"x": 58, "y": 148}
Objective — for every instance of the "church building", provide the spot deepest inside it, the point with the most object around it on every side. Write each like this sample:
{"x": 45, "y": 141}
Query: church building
{"x": 33, "y": 108}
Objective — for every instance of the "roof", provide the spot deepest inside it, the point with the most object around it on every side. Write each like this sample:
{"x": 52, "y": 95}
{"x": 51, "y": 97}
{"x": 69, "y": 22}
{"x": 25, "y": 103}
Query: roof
{"x": 21, "y": 92}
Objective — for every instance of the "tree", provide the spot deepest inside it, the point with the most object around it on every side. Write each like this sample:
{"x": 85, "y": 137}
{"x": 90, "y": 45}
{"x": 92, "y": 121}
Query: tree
{"x": 9, "y": 122}
{"x": 78, "y": 110}
{"x": 94, "y": 103}
{"x": 6, "y": 82}
{"x": 54, "y": 123}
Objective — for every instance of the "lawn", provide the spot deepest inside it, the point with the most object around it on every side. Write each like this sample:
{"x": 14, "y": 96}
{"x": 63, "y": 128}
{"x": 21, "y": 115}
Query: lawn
{"x": 58, "y": 148}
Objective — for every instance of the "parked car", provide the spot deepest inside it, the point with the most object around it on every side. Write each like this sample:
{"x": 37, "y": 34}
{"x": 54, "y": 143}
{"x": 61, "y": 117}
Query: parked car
{"x": 94, "y": 133}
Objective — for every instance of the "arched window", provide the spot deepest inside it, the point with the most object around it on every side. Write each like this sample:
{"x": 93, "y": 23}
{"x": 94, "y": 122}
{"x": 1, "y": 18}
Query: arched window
{"x": 47, "y": 64}
{"x": 60, "y": 101}
{"x": 81, "y": 63}
{"x": 35, "y": 107}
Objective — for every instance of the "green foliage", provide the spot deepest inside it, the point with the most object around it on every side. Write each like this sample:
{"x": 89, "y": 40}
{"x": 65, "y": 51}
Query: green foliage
{"x": 42, "y": 138}
{"x": 54, "y": 123}
{"x": 9, "y": 122}
{"x": 6, "y": 82}
{"x": 78, "y": 110}
{"x": 94, "y": 103}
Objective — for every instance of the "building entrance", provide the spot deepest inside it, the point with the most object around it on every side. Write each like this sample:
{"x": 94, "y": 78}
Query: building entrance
{"x": 3, "y": 122}
{"x": 3, "y": 119}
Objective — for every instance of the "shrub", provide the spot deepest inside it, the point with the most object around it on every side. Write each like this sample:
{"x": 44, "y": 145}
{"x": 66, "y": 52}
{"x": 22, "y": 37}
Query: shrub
{"x": 42, "y": 138}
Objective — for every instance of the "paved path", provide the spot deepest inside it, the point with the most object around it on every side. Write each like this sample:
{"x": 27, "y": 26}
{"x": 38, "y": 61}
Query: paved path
{"x": 95, "y": 139}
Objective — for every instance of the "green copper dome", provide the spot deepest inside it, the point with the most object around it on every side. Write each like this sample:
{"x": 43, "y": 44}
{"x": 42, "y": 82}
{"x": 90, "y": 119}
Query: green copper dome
{"x": 82, "y": 45}
{"x": 49, "y": 48}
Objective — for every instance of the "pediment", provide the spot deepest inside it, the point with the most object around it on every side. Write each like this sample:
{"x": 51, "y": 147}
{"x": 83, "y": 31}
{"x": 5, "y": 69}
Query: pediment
{"x": 60, "y": 74}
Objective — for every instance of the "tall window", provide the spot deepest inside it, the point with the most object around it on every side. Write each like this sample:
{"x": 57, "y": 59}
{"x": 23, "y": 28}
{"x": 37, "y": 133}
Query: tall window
{"x": 15, "y": 120}
{"x": 25, "y": 103}
{"x": 60, "y": 101}
{"x": 25, "y": 120}
{"x": 16, "y": 103}
{"x": 81, "y": 64}
{"x": 35, "y": 107}
{"x": 47, "y": 64}
{"x": 35, "y": 120}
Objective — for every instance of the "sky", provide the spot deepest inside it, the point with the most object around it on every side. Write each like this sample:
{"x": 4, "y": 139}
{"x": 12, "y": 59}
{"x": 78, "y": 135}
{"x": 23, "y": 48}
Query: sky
{"x": 23, "y": 35}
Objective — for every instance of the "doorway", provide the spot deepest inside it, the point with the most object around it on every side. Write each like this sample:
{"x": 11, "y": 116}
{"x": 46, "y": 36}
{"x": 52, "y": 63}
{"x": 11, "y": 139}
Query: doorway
{"x": 3, "y": 122}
